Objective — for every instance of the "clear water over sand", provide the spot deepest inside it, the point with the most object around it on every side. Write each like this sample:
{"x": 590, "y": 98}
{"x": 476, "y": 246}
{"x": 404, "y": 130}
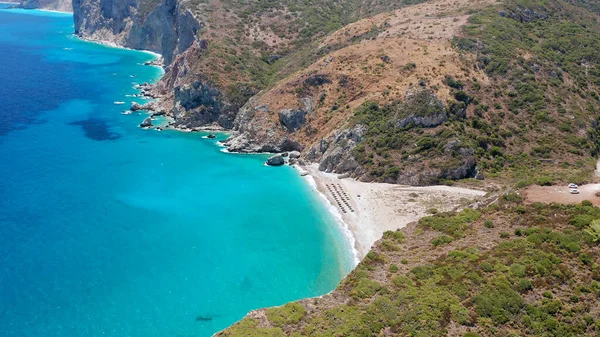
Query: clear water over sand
{"x": 110, "y": 230}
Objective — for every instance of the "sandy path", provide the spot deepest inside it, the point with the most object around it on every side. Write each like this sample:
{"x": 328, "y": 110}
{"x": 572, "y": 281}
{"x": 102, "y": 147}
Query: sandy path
{"x": 370, "y": 209}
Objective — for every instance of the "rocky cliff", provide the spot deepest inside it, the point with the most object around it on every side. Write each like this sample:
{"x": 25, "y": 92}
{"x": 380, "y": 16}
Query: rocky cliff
{"x": 375, "y": 96}
{"x": 165, "y": 27}
{"x": 56, "y": 5}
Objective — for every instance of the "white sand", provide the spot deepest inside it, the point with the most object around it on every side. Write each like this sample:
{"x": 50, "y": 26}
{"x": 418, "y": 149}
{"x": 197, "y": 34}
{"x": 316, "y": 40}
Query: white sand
{"x": 381, "y": 207}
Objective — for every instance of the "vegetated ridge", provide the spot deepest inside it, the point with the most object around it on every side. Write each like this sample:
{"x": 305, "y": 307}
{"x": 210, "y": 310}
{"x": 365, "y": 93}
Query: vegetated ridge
{"x": 507, "y": 269}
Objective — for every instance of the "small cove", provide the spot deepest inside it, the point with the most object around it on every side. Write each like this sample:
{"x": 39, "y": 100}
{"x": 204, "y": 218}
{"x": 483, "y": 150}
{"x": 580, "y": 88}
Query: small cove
{"x": 108, "y": 229}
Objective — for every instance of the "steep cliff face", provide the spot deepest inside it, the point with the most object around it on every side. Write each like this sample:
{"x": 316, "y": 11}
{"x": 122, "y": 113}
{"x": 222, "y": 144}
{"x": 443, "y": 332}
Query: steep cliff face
{"x": 164, "y": 27}
{"x": 57, "y": 5}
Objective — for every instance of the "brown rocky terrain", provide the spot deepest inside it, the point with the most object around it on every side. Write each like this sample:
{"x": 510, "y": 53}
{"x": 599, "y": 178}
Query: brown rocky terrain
{"x": 309, "y": 75}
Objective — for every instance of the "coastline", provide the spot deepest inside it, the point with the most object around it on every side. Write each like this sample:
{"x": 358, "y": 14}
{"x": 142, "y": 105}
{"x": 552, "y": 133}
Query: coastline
{"x": 114, "y": 45}
{"x": 370, "y": 209}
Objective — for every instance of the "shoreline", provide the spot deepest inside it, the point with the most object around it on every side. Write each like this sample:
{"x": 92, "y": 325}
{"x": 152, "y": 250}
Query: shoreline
{"x": 116, "y": 46}
{"x": 367, "y": 210}
{"x": 35, "y": 9}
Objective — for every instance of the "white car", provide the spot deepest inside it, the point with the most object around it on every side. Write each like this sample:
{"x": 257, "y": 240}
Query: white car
{"x": 574, "y": 191}
{"x": 571, "y": 185}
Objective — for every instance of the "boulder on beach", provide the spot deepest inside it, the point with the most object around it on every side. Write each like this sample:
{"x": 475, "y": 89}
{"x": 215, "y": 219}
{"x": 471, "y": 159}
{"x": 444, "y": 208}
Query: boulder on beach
{"x": 136, "y": 106}
{"x": 146, "y": 123}
{"x": 276, "y": 160}
{"x": 294, "y": 154}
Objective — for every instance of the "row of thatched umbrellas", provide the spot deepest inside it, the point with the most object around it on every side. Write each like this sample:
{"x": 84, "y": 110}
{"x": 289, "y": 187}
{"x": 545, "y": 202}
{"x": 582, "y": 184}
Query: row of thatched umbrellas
{"x": 340, "y": 196}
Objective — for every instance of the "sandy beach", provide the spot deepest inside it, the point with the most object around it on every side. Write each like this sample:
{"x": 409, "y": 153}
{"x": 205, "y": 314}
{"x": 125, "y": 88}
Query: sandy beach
{"x": 370, "y": 209}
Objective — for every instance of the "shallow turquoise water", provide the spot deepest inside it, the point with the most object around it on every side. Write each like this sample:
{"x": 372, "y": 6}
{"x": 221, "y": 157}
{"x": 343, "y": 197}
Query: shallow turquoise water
{"x": 110, "y": 230}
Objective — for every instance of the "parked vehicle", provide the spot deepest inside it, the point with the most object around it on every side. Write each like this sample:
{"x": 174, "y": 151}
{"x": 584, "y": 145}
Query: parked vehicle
{"x": 574, "y": 191}
{"x": 571, "y": 185}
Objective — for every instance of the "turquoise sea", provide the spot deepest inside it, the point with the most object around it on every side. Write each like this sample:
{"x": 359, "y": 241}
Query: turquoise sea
{"x": 110, "y": 230}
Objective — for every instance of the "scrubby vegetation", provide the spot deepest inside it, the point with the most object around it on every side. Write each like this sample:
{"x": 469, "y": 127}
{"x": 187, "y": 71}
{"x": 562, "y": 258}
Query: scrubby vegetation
{"x": 508, "y": 268}
{"x": 540, "y": 108}
{"x": 534, "y": 122}
{"x": 260, "y": 42}
{"x": 535, "y": 273}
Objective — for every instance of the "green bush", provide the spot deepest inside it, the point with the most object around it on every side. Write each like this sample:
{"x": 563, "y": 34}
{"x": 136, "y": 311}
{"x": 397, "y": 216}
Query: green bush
{"x": 290, "y": 313}
{"x": 524, "y": 285}
{"x": 441, "y": 240}
{"x": 499, "y": 302}
{"x": 365, "y": 288}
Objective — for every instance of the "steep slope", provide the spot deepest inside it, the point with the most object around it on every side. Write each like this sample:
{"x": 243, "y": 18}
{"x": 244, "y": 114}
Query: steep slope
{"x": 505, "y": 270}
{"x": 426, "y": 93}
{"x": 165, "y": 27}
{"x": 220, "y": 53}
{"x": 403, "y": 55}
{"x": 507, "y": 78}
{"x": 519, "y": 105}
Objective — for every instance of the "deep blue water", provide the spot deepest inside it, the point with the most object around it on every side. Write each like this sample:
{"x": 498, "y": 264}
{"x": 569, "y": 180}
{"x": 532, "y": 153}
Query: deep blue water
{"x": 110, "y": 230}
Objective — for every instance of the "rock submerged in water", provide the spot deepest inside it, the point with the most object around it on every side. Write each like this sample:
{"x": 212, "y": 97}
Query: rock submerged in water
{"x": 136, "y": 106}
{"x": 211, "y": 136}
{"x": 276, "y": 160}
{"x": 147, "y": 123}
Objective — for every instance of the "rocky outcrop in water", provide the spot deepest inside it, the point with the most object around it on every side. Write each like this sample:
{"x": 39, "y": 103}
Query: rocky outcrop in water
{"x": 276, "y": 160}
{"x": 255, "y": 132}
{"x": 201, "y": 103}
{"x": 146, "y": 123}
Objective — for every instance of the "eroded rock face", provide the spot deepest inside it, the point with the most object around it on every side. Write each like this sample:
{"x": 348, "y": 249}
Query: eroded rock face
{"x": 200, "y": 104}
{"x": 255, "y": 132}
{"x": 292, "y": 119}
{"x": 421, "y": 108}
{"x": 163, "y": 26}
{"x": 458, "y": 162}
{"x": 334, "y": 153}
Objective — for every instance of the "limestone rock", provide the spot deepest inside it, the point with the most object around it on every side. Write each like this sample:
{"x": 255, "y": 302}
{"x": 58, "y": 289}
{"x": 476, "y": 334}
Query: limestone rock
{"x": 276, "y": 160}
{"x": 292, "y": 119}
{"x": 146, "y": 123}
{"x": 421, "y": 108}
{"x": 334, "y": 153}
{"x": 136, "y": 107}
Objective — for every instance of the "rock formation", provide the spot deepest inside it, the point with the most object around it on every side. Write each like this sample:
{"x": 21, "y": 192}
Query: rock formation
{"x": 276, "y": 160}
{"x": 146, "y": 123}
{"x": 56, "y": 5}
{"x": 165, "y": 27}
